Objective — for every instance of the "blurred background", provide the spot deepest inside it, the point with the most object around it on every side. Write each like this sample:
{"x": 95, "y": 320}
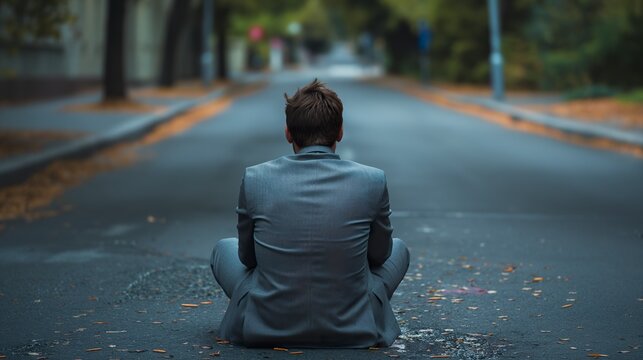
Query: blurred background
{"x": 588, "y": 48}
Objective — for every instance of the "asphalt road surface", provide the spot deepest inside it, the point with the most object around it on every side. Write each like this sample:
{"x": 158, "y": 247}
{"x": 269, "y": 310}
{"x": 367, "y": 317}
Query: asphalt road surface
{"x": 522, "y": 246}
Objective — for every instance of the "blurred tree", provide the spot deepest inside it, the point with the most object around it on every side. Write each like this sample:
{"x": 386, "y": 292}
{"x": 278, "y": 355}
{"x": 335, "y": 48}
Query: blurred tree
{"x": 114, "y": 86}
{"x": 32, "y": 20}
{"x": 588, "y": 42}
{"x": 238, "y": 10}
{"x": 316, "y": 27}
{"x": 174, "y": 27}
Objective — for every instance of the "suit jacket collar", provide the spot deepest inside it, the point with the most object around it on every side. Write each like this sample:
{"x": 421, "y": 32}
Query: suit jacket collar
{"x": 316, "y": 149}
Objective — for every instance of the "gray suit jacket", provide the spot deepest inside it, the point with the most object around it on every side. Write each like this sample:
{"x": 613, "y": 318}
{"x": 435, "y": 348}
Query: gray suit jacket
{"x": 310, "y": 225}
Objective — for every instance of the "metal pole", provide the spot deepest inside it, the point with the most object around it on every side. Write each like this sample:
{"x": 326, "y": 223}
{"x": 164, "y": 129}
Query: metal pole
{"x": 497, "y": 81}
{"x": 207, "y": 68}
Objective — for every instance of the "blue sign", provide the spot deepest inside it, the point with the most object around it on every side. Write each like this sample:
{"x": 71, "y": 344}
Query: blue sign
{"x": 425, "y": 36}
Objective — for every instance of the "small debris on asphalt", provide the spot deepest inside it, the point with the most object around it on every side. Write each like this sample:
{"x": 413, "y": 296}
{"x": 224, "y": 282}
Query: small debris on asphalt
{"x": 190, "y": 305}
{"x": 279, "y": 349}
{"x": 160, "y": 351}
{"x": 93, "y": 349}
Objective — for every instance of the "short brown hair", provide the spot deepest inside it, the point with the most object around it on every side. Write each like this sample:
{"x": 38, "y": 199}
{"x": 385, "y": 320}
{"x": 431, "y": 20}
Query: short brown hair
{"x": 314, "y": 115}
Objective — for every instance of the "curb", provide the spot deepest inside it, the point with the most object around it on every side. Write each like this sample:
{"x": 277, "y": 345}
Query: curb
{"x": 565, "y": 125}
{"x": 19, "y": 168}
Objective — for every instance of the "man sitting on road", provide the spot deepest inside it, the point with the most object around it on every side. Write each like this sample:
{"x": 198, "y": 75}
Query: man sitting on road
{"x": 315, "y": 264}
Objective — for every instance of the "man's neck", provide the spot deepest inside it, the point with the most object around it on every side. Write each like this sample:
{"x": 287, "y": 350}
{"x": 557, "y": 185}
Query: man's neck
{"x": 297, "y": 149}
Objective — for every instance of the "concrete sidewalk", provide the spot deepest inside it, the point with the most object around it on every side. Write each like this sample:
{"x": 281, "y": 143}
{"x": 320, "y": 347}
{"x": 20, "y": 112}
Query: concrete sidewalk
{"x": 78, "y": 132}
{"x": 513, "y": 106}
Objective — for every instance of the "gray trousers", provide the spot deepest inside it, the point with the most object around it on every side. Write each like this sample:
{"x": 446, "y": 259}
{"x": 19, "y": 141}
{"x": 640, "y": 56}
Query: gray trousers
{"x": 229, "y": 272}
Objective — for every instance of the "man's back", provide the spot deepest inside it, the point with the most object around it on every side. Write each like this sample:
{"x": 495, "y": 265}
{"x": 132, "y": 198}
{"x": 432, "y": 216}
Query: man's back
{"x": 314, "y": 264}
{"x": 313, "y": 218}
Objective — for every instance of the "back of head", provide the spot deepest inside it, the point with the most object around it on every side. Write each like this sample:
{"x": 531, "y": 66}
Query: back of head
{"x": 314, "y": 115}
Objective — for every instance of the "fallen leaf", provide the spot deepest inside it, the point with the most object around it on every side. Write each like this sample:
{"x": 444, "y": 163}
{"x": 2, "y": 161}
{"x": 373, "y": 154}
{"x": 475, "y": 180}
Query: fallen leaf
{"x": 101, "y": 322}
{"x": 215, "y": 354}
{"x": 206, "y": 302}
{"x": 296, "y": 352}
{"x": 433, "y": 298}
{"x": 596, "y": 355}
{"x": 222, "y": 341}
{"x": 190, "y": 305}
{"x": 160, "y": 351}
{"x": 3, "y": 356}
{"x": 92, "y": 298}
{"x": 509, "y": 268}
{"x": 279, "y": 349}
{"x": 93, "y": 349}
{"x": 567, "y": 306}
{"x": 537, "y": 279}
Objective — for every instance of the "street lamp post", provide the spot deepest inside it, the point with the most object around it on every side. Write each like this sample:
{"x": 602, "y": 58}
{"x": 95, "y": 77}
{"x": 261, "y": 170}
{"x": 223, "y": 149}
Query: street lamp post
{"x": 495, "y": 59}
{"x": 207, "y": 58}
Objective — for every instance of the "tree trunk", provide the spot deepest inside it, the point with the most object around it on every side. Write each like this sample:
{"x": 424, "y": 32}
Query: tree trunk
{"x": 173, "y": 29}
{"x": 114, "y": 87}
{"x": 221, "y": 17}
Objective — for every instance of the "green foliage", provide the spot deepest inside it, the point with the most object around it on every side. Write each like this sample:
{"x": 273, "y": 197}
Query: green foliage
{"x": 590, "y": 92}
{"x": 32, "y": 20}
{"x": 588, "y": 42}
{"x": 634, "y": 96}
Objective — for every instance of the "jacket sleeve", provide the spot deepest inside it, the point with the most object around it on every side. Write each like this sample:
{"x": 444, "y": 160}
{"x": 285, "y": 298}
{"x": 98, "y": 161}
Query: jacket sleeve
{"x": 245, "y": 228}
{"x": 380, "y": 241}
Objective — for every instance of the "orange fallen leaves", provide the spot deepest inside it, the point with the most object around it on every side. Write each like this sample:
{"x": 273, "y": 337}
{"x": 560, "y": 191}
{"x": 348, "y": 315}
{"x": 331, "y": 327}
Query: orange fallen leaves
{"x": 567, "y": 306}
{"x": 17, "y": 142}
{"x": 279, "y": 349}
{"x": 160, "y": 351}
{"x": 597, "y": 355}
{"x": 537, "y": 279}
{"x": 190, "y": 305}
{"x": 296, "y": 352}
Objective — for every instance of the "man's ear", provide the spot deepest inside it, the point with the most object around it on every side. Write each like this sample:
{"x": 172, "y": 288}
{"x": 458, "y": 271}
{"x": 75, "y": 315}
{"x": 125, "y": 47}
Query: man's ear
{"x": 288, "y": 135}
{"x": 341, "y": 134}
